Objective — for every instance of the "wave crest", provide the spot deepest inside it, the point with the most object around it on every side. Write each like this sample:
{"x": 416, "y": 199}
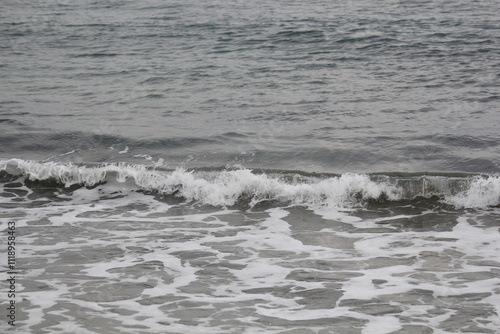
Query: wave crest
{"x": 229, "y": 187}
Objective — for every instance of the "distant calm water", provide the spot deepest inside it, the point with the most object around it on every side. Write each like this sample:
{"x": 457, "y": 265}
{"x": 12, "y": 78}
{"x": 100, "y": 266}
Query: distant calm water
{"x": 252, "y": 166}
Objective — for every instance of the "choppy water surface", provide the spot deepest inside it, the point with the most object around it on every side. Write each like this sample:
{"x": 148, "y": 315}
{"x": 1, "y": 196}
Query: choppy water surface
{"x": 251, "y": 167}
{"x": 322, "y": 86}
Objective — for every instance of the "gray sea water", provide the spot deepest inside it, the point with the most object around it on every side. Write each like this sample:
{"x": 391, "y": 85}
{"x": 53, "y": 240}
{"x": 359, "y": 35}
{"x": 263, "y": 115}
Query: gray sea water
{"x": 336, "y": 86}
{"x": 268, "y": 166}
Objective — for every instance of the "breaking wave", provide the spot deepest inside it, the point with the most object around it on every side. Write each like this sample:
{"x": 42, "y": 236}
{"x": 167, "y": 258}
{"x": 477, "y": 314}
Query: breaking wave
{"x": 227, "y": 187}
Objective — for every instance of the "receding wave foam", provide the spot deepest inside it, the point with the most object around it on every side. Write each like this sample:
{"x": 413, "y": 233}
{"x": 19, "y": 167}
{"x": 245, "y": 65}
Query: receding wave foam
{"x": 229, "y": 187}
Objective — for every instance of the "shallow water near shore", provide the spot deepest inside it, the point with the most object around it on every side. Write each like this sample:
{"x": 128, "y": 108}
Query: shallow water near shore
{"x": 114, "y": 258}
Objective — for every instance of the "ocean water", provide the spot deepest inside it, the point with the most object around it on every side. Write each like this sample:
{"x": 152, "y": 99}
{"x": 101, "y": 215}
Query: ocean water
{"x": 230, "y": 166}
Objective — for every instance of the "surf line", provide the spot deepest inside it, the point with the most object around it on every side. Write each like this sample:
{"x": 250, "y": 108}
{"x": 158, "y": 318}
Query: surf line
{"x": 11, "y": 273}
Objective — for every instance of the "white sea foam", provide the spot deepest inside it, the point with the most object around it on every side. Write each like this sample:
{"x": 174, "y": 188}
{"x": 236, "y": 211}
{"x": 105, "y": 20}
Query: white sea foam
{"x": 132, "y": 260}
{"x": 482, "y": 192}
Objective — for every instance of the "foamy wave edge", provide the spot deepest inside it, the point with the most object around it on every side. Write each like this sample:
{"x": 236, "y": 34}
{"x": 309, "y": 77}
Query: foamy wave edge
{"x": 227, "y": 187}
